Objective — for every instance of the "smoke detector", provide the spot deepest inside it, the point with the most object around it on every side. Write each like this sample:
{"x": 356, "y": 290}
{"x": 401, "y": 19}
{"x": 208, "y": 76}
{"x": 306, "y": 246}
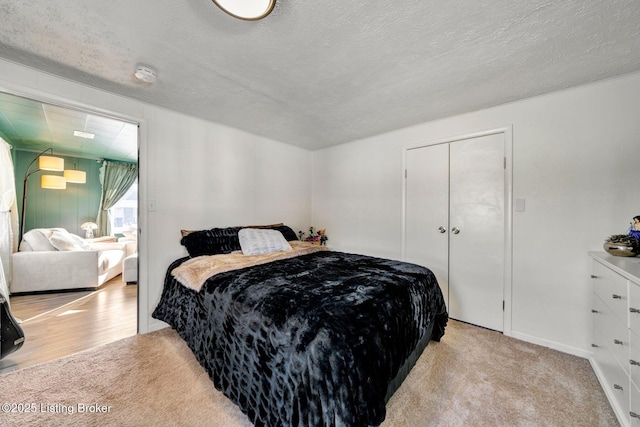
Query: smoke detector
{"x": 145, "y": 74}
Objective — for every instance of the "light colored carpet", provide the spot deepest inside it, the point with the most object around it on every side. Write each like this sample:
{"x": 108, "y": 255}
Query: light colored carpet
{"x": 473, "y": 377}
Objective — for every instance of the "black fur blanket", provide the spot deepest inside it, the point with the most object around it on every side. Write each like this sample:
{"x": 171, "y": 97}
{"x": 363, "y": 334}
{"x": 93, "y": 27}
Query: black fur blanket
{"x": 307, "y": 341}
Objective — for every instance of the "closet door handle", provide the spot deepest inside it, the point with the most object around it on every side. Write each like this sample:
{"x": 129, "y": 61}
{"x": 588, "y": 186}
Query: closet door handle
{"x": 442, "y": 229}
{"x": 455, "y": 230}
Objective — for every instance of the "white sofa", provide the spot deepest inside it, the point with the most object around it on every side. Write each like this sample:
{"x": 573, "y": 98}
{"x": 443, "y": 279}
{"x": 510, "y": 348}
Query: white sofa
{"x": 51, "y": 259}
{"x": 130, "y": 269}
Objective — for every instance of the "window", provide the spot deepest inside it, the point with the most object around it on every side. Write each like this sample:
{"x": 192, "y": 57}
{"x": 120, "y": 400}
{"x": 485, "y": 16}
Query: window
{"x": 124, "y": 214}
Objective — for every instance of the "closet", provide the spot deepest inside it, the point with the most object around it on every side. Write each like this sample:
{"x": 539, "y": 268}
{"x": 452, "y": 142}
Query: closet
{"x": 455, "y": 223}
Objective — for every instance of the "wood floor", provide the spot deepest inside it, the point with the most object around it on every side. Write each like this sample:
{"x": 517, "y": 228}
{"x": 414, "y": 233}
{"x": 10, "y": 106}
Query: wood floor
{"x": 60, "y": 324}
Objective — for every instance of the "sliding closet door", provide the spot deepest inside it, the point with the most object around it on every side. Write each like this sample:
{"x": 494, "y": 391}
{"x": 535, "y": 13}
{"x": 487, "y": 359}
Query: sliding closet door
{"x": 476, "y": 242}
{"x": 427, "y": 210}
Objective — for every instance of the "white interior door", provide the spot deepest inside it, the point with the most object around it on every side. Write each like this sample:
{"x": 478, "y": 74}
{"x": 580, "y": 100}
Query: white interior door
{"x": 427, "y": 211}
{"x": 476, "y": 242}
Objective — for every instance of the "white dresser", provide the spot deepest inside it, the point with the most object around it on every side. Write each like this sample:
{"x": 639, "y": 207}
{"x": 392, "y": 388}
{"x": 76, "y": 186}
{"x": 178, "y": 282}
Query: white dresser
{"x": 616, "y": 332}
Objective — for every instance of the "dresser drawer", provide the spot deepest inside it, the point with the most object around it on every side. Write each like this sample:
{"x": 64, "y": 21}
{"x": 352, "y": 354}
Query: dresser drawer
{"x": 615, "y": 379}
{"x": 614, "y": 333}
{"x": 601, "y": 352}
{"x": 612, "y": 289}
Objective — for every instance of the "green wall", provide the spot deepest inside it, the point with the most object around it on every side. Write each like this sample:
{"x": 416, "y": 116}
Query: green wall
{"x": 58, "y": 208}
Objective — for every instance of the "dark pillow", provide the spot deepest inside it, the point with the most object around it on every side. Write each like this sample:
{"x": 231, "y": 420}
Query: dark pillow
{"x": 212, "y": 242}
{"x": 287, "y": 232}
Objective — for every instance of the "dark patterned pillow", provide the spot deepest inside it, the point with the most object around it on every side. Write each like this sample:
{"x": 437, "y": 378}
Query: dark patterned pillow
{"x": 212, "y": 242}
{"x": 287, "y": 232}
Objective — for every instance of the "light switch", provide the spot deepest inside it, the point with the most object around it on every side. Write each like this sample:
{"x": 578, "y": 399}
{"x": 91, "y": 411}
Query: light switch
{"x": 519, "y": 205}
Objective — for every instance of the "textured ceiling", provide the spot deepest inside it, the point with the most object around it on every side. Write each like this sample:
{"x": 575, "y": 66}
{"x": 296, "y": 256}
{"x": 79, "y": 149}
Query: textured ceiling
{"x": 315, "y": 74}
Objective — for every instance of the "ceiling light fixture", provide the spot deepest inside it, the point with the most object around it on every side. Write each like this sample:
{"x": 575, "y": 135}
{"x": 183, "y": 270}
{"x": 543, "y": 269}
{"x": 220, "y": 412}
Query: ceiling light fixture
{"x": 145, "y": 74}
{"x": 81, "y": 134}
{"x": 249, "y": 10}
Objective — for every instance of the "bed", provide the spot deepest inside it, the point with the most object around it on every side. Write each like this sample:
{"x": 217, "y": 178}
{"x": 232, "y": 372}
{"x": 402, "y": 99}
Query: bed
{"x": 304, "y": 336}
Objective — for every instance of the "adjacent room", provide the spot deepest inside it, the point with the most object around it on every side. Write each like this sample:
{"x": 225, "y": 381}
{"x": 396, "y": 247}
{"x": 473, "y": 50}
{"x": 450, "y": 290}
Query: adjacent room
{"x": 417, "y": 214}
{"x": 74, "y": 271}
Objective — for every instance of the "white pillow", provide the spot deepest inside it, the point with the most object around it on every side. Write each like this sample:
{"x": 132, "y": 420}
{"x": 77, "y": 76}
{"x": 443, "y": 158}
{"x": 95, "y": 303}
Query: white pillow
{"x": 37, "y": 239}
{"x": 64, "y": 242}
{"x": 256, "y": 241}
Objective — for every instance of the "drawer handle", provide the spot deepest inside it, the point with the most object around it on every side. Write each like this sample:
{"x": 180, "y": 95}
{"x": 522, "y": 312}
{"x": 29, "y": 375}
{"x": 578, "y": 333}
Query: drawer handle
{"x": 614, "y": 296}
{"x": 618, "y": 342}
{"x": 594, "y": 311}
{"x": 618, "y": 387}
{"x": 593, "y": 276}
{"x": 633, "y": 362}
{"x": 594, "y": 345}
{"x": 634, "y": 415}
{"x": 634, "y": 310}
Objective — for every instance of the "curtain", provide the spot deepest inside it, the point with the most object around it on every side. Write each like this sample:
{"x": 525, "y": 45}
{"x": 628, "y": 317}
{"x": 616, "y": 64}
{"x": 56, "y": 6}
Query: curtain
{"x": 116, "y": 178}
{"x": 8, "y": 215}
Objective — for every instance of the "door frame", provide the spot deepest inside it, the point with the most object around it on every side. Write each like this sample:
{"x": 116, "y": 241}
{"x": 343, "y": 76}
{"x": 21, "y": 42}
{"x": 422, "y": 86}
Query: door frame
{"x": 48, "y": 97}
{"x": 508, "y": 207}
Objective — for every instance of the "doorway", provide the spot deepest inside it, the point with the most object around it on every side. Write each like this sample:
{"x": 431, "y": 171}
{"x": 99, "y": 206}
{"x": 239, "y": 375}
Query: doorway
{"x": 30, "y": 125}
{"x": 457, "y": 201}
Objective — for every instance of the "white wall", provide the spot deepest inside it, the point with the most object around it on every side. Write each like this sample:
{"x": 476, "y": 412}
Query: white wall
{"x": 576, "y": 162}
{"x": 202, "y": 175}
{"x": 198, "y": 174}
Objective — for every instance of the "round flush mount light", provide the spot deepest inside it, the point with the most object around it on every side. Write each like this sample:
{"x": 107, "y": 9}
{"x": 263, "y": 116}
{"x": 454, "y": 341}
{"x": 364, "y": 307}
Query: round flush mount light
{"x": 145, "y": 74}
{"x": 249, "y": 10}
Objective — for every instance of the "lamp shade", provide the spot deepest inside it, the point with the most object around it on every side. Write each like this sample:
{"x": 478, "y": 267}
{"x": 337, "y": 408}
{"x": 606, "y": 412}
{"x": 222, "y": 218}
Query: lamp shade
{"x": 54, "y": 182}
{"x": 50, "y": 163}
{"x": 77, "y": 177}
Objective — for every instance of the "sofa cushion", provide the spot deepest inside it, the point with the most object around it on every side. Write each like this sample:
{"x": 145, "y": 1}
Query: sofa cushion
{"x": 65, "y": 241}
{"x": 37, "y": 240}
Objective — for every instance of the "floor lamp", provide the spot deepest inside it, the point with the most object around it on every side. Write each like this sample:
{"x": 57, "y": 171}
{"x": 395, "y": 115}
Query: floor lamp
{"x": 46, "y": 163}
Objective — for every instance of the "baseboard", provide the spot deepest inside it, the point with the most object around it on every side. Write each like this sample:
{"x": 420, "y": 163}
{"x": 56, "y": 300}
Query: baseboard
{"x": 551, "y": 344}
